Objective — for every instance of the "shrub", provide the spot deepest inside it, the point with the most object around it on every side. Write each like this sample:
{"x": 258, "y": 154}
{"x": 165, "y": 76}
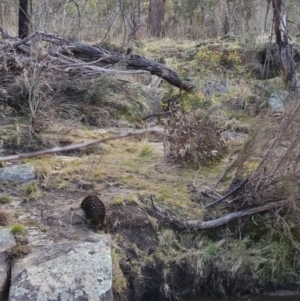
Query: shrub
{"x": 5, "y": 217}
{"x": 193, "y": 140}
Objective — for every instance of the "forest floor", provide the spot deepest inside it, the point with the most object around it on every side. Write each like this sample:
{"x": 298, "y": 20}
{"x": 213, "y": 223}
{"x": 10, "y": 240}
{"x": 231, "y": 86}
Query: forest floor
{"x": 151, "y": 259}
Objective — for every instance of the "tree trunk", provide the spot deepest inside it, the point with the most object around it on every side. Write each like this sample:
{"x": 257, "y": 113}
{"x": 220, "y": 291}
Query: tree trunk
{"x": 282, "y": 40}
{"x": 227, "y": 17}
{"x": 156, "y": 18}
{"x": 23, "y": 19}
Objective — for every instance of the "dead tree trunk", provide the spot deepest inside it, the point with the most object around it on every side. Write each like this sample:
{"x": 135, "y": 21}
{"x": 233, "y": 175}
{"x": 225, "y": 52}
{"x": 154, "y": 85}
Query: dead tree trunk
{"x": 23, "y": 19}
{"x": 156, "y": 17}
{"x": 282, "y": 40}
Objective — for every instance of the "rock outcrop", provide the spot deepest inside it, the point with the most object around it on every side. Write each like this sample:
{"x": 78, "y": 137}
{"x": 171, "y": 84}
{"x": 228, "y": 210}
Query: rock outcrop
{"x": 7, "y": 241}
{"x": 17, "y": 173}
{"x": 74, "y": 270}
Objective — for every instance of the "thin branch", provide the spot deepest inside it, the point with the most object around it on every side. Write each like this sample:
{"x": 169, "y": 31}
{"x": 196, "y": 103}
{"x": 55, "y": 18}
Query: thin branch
{"x": 239, "y": 186}
{"x": 78, "y": 145}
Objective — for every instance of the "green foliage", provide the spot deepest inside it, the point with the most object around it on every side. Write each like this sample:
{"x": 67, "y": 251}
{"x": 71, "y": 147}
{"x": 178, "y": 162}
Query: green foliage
{"x": 194, "y": 101}
{"x": 230, "y": 59}
{"x": 206, "y": 56}
{"x": 211, "y": 249}
{"x": 17, "y": 228}
{"x": 215, "y": 57}
{"x": 281, "y": 264}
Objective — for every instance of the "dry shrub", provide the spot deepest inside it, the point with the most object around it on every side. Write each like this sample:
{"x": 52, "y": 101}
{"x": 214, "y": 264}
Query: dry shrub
{"x": 39, "y": 92}
{"x": 6, "y": 217}
{"x": 193, "y": 140}
{"x": 270, "y": 160}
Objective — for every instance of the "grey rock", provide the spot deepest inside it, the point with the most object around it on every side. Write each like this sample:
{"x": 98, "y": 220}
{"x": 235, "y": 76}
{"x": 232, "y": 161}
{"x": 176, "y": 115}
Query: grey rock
{"x": 7, "y": 241}
{"x": 75, "y": 270}
{"x": 154, "y": 97}
{"x": 277, "y": 100}
{"x": 4, "y": 275}
{"x": 17, "y": 173}
{"x": 212, "y": 88}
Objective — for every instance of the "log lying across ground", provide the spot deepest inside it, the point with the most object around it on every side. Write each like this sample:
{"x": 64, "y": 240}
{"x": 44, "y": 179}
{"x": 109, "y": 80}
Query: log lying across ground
{"x": 180, "y": 223}
{"x": 94, "y": 59}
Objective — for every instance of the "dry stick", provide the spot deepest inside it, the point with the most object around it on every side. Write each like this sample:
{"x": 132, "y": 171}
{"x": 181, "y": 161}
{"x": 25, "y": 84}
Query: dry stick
{"x": 78, "y": 145}
{"x": 276, "y": 139}
{"x": 284, "y": 156}
{"x": 227, "y": 195}
{"x": 201, "y": 225}
{"x": 221, "y": 177}
{"x": 284, "y": 125}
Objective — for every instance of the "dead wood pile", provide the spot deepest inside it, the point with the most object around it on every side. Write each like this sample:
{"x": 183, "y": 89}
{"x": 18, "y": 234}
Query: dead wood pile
{"x": 45, "y": 76}
{"x": 78, "y": 58}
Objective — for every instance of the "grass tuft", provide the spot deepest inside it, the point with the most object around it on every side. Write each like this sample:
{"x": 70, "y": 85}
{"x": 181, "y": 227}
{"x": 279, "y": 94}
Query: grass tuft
{"x": 146, "y": 149}
{"x": 118, "y": 201}
{"x": 119, "y": 281}
{"x": 32, "y": 191}
{"x": 17, "y": 228}
{"x": 5, "y": 199}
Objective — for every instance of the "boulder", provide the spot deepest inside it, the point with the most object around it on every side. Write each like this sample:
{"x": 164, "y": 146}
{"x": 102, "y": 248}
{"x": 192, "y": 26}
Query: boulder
{"x": 75, "y": 270}
{"x": 277, "y": 100}
{"x": 4, "y": 275}
{"x": 21, "y": 173}
{"x": 7, "y": 241}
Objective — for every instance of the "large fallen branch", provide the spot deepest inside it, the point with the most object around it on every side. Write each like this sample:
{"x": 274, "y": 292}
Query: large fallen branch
{"x": 165, "y": 216}
{"x": 78, "y": 145}
{"x": 87, "y": 53}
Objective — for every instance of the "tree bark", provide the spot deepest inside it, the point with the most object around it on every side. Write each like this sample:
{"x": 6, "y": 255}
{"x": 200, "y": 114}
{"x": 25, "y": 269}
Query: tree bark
{"x": 282, "y": 40}
{"x": 23, "y": 19}
{"x": 156, "y": 17}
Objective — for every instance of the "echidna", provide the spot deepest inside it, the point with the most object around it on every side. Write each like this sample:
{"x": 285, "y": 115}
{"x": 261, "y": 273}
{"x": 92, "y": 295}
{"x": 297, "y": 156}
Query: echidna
{"x": 94, "y": 210}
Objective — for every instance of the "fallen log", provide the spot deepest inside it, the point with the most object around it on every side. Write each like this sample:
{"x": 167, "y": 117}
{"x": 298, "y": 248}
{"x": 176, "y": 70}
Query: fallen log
{"x": 89, "y": 53}
{"x": 166, "y": 217}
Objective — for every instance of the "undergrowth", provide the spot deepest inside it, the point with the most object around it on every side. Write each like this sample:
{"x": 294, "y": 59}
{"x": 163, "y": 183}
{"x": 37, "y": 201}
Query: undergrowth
{"x": 194, "y": 140}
